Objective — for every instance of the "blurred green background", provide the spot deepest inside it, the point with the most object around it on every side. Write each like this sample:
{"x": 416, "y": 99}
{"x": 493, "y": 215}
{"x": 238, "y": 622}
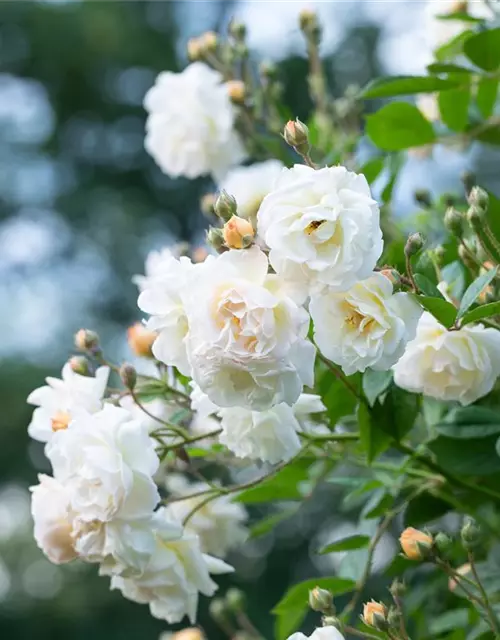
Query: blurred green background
{"x": 81, "y": 204}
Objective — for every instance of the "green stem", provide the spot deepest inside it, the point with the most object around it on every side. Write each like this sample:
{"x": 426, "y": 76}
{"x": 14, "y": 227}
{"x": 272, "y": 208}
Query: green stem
{"x": 169, "y": 425}
{"x": 343, "y": 378}
{"x": 487, "y": 605}
{"x": 334, "y": 437}
{"x": 360, "y": 634}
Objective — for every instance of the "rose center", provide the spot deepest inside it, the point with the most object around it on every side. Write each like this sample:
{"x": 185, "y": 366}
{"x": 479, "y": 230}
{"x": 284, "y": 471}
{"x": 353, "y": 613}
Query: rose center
{"x": 60, "y": 421}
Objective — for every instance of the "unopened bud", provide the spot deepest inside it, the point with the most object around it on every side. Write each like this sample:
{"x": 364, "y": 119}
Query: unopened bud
{"x": 449, "y": 200}
{"x": 194, "y": 49}
{"x": 320, "y": 600}
{"x": 237, "y": 30}
{"x": 217, "y": 610}
{"x": 471, "y": 535}
{"x": 375, "y": 615}
{"x": 479, "y": 198}
{"x": 235, "y": 600}
{"x": 416, "y": 544}
{"x": 460, "y": 6}
{"x": 237, "y": 91}
{"x": 296, "y": 134}
{"x": 413, "y": 245}
{"x": 80, "y": 365}
{"x": 442, "y": 542}
{"x": 453, "y": 221}
{"x": 331, "y": 621}
{"x": 308, "y": 19}
{"x": 238, "y": 233}
{"x": 394, "y": 618}
{"x": 475, "y": 217}
{"x": 87, "y": 340}
{"x": 466, "y": 257}
{"x": 128, "y": 374}
{"x": 199, "y": 254}
{"x": 423, "y": 197}
{"x": 209, "y": 41}
{"x": 463, "y": 570}
{"x": 225, "y": 205}
{"x": 469, "y": 180}
{"x": 439, "y": 254}
{"x": 392, "y": 275}
{"x": 215, "y": 238}
{"x": 207, "y": 204}
{"x": 141, "y": 340}
{"x": 191, "y": 633}
{"x": 397, "y": 588}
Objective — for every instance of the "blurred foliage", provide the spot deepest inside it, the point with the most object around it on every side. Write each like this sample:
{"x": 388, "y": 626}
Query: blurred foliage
{"x": 95, "y": 61}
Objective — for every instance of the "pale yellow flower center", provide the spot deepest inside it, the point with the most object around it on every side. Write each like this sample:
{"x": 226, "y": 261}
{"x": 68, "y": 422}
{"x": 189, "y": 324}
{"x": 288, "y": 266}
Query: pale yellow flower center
{"x": 60, "y": 421}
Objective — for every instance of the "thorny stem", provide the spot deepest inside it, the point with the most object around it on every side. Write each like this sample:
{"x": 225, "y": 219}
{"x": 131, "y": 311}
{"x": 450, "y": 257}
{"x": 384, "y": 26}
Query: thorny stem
{"x": 459, "y": 580}
{"x": 402, "y": 626}
{"x": 409, "y": 273}
{"x": 360, "y": 634}
{"x": 487, "y": 605}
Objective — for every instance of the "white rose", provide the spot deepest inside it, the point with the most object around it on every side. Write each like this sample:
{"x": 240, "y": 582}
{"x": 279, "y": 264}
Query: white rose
{"x": 157, "y": 265}
{"x": 247, "y": 342}
{"x": 53, "y": 518}
{"x": 322, "y": 633}
{"x": 458, "y": 365}
{"x": 62, "y": 400}
{"x": 270, "y": 436}
{"x": 322, "y": 226}
{"x": 176, "y": 573}
{"x": 366, "y": 326}
{"x": 249, "y": 185}
{"x": 219, "y": 524}
{"x": 106, "y": 461}
{"x": 190, "y": 127}
{"x": 162, "y": 299}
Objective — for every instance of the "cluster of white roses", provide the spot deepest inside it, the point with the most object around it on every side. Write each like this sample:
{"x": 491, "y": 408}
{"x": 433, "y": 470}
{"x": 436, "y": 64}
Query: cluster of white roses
{"x": 101, "y": 505}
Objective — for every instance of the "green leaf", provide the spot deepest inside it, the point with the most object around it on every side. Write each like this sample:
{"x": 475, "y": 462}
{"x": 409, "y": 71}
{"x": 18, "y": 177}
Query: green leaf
{"x": 453, "y": 47}
{"x": 394, "y": 163}
{"x": 483, "y": 49}
{"x": 477, "y": 458}
{"x": 373, "y": 440}
{"x": 346, "y": 544}
{"x": 423, "y": 509}
{"x": 375, "y": 383}
{"x": 474, "y": 290}
{"x": 405, "y": 85}
{"x": 454, "y": 619}
{"x": 284, "y": 485}
{"x": 292, "y": 608}
{"x": 479, "y": 313}
{"x": 490, "y": 135}
{"x": 486, "y": 97}
{"x": 462, "y": 16}
{"x": 337, "y": 402}
{"x": 373, "y": 168}
{"x": 378, "y": 505}
{"x": 267, "y": 524}
{"x": 427, "y": 287}
{"x": 442, "y": 67}
{"x": 454, "y": 108}
{"x": 441, "y": 309}
{"x": 399, "y": 125}
{"x": 469, "y": 422}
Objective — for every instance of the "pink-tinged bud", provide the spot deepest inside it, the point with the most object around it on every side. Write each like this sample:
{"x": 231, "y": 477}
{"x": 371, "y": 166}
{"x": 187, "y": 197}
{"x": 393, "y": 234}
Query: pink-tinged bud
{"x": 80, "y": 365}
{"x": 141, "y": 340}
{"x": 86, "y": 340}
{"x": 416, "y": 544}
{"x": 296, "y": 134}
{"x": 238, "y": 233}
{"x": 375, "y": 615}
{"x": 236, "y": 91}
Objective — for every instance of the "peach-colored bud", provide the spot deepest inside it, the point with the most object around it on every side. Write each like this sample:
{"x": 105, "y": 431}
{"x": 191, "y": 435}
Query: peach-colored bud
{"x": 140, "y": 340}
{"x": 209, "y": 41}
{"x": 60, "y": 421}
{"x": 461, "y": 6}
{"x": 296, "y": 134}
{"x": 416, "y": 544}
{"x": 194, "y": 49}
{"x": 238, "y": 233}
{"x": 86, "y": 340}
{"x": 199, "y": 254}
{"x": 463, "y": 571}
{"x": 392, "y": 275}
{"x": 237, "y": 91}
{"x": 191, "y": 633}
{"x": 375, "y": 615}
